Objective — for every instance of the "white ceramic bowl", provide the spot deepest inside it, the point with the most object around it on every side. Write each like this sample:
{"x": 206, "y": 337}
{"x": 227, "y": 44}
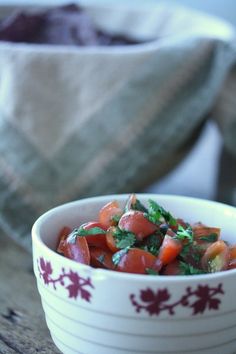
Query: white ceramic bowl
{"x": 95, "y": 311}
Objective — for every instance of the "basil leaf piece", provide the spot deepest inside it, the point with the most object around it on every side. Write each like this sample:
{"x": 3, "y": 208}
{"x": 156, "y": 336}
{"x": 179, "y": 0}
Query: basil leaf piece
{"x": 81, "y": 232}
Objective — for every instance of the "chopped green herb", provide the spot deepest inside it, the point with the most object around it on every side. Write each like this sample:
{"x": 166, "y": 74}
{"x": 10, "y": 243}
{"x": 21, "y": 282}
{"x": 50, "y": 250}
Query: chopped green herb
{"x": 153, "y": 244}
{"x": 123, "y": 238}
{"x": 191, "y": 251}
{"x": 134, "y": 204}
{"x": 139, "y": 206}
{"x": 116, "y": 218}
{"x": 116, "y": 258}
{"x": 151, "y": 271}
{"x": 158, "y": 215}
{"x": 183, "y": 233}
{"x": 209, "y": 238}
{"x": 185, "y": 250}
{"x": 82, "y": 232}
{"x": 188, "y": 269}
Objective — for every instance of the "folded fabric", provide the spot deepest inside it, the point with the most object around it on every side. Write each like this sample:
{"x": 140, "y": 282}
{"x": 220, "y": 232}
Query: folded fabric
{"x": 78, "y": 122}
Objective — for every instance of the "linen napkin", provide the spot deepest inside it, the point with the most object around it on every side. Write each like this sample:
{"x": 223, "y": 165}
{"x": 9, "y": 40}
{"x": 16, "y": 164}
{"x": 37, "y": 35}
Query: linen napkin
{"x": 78, "y": 122}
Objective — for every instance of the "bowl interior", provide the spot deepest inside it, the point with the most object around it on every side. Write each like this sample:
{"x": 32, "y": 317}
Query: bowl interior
{"x": 191, "y": 210}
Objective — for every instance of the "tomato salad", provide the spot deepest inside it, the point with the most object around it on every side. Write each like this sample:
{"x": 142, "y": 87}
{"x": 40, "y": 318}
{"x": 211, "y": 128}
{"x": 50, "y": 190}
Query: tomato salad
{"x": 146, "y": 240}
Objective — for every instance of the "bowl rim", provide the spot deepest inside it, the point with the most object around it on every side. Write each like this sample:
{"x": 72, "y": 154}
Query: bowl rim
{"x": 38, "y": 243}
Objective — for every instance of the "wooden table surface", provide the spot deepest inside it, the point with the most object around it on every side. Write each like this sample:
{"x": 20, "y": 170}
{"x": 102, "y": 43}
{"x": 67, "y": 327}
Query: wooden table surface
{"x": 23, "y": 328}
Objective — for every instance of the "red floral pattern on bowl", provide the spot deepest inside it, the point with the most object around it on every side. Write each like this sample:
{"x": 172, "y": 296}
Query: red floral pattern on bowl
{"x": 200, "y": 299}
{"x": 76, "y": 285}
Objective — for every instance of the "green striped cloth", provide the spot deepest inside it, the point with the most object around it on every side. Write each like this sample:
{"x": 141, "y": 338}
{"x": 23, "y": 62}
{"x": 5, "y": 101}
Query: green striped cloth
{"x": 83, "y": 122}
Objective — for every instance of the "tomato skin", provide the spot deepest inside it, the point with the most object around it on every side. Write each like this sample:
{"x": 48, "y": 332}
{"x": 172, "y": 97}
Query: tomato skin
{"x": 172, "y": 268}
{"x": 134, "y": 221}
{"x": 201, "y": 230}
{"x": 169, "y": 249}
{"x": 107, "y": 212}
{"x": 78, "y": 251}
{"x": 101, "y": 258}
{"x": 136, "y": 260}
{"x": 232, "y": 250}
{"x": 232, "y": 257}
{"x": 216, "y": 258}
{"x": 110, "y": 240}
{"x": 98, "y": 240}
{"x": 64, "y": 232}
{"x": 232, "y": 264}
{"x": 130, "y": 202}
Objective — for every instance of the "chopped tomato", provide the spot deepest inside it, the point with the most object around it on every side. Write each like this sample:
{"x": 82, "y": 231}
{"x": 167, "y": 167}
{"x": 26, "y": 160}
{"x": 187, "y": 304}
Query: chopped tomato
{"x": 172, "y": 268}
{"x": 216, "y": 258}
{"x": 101, "y": 258}
{"x": 232, "y": 264}
{"x": 232, "y": 251}
{"x": 108, "y": 213}
{"x": 204, "y": 235}
{"x": 110, "y": 239}
{"x": 65, "y": 231}
{"x": 146, "y": 239}
{"x": 169, "y": 249}
{"x": 130, "y": 202}
{"x": 135, "y": 260}
{"x": 134, "y": 221}
{"x": 232, "y": 257}
{"x": 98, "y": 240}
{"x": 78, "y": 250}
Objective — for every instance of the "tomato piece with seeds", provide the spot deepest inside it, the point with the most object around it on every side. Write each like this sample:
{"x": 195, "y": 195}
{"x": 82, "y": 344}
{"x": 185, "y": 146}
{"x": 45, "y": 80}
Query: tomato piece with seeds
{"x": 216, "y": 258}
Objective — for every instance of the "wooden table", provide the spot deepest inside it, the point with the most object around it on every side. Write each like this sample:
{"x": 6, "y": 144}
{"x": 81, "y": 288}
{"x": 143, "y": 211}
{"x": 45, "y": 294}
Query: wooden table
{"x": 22, "y": 325}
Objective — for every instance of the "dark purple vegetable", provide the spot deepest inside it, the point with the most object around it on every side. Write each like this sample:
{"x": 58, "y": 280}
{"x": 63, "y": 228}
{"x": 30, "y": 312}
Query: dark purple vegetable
{"x": 67, "y": 25}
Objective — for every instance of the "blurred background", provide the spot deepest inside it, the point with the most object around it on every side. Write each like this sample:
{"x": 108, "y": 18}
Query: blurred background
{"x": 208, "y": 148}
{"x": 42, "y": 152}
